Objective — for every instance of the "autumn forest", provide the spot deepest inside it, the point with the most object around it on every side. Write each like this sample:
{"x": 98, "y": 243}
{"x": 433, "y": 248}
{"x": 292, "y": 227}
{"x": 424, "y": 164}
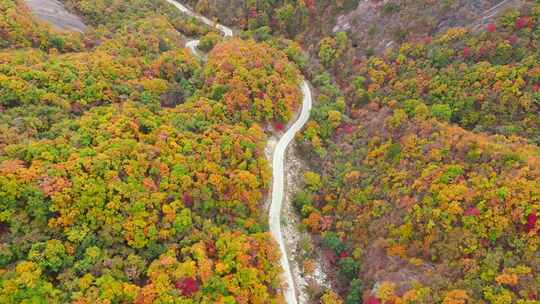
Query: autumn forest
{"x": 135, "y": 170}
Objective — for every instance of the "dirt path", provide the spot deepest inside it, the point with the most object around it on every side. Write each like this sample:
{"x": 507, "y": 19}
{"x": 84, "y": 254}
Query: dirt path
{"x": 278, "y": 159}
{"x": 54, "y": 13}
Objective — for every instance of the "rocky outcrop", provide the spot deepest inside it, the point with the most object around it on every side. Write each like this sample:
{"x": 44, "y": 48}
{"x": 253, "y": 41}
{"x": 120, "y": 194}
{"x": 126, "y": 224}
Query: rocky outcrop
{"x": 54, "y": 13}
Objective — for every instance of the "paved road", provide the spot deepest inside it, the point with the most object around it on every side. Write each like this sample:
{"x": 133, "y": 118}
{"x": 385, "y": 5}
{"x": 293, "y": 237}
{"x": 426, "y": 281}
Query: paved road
{"x": 192, "y": 45}
{"x": 227, "y": 32}
{"x": 278, "y": 167}
{"x": 278, "y": 184}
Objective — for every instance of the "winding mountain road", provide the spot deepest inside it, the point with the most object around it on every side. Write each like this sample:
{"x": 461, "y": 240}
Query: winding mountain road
{"x": 278, "y": 185}
{"x": 278, "y": 158}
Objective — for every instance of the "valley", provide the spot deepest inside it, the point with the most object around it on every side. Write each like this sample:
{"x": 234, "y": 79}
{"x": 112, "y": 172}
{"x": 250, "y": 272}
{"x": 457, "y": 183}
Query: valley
{"x": 230, "y": 151}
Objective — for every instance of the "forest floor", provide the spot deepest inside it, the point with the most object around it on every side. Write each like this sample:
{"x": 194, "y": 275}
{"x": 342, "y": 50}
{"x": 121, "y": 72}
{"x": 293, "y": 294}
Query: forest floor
{"x": 54, "y": 13}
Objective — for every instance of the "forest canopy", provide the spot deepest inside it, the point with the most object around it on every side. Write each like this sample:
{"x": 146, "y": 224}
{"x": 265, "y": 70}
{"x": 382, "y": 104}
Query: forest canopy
{"x": 126, "y": 173}
{"x": 426, "y": 188}
{"x": 132, "y": 171}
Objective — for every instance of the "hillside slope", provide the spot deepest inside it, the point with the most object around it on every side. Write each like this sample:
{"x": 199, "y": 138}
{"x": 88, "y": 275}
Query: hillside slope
{"x": 131, "y": 172}
{"x": 410, "y": 197}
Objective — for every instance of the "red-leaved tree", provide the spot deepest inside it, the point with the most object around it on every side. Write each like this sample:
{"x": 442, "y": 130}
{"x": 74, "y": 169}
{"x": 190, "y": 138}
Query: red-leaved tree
{"x": 187, "y": 286}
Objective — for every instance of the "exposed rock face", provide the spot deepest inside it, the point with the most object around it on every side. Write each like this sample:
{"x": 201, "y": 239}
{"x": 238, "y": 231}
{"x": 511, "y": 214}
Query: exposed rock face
{"x": 373, "y": 25}
{"x": 376, "y": 25}
{"x": 54, "y": 12}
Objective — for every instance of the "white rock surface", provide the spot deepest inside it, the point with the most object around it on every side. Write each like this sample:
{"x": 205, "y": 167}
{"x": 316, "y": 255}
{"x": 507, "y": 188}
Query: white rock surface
{"x": 54, "y": 12}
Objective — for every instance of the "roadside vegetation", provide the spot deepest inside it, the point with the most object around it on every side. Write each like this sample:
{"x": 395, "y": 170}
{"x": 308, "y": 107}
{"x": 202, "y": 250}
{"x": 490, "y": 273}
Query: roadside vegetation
{"x": 426, "y": 188}
{"x": 129, "y": 171}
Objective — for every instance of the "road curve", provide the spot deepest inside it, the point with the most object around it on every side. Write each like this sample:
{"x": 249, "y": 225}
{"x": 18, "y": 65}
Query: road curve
{"x": 192, "y": 46}
{"x": 227, "y": 32}
{"x": 278, "y": 167}
{"x": 278, "y": 185}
